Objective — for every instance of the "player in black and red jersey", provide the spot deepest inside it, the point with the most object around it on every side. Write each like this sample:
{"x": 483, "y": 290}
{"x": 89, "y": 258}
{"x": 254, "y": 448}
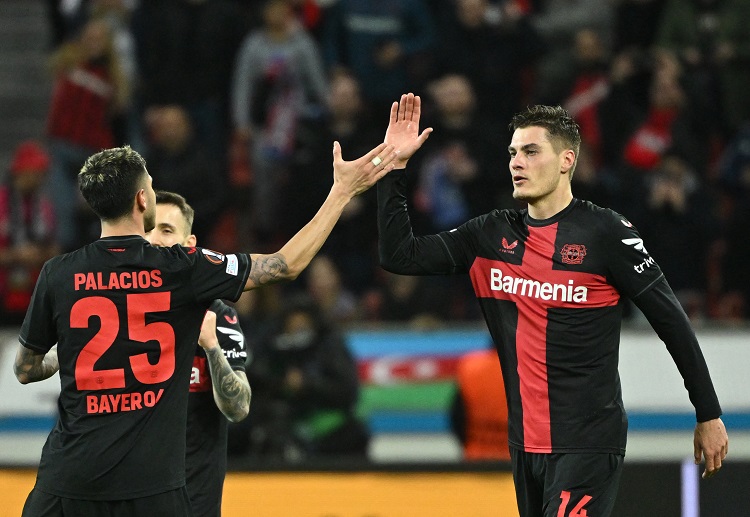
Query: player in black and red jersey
{"x": 549, "y": 280}
{"x": 219, "y": 389}
{"x": 125, "y": 316}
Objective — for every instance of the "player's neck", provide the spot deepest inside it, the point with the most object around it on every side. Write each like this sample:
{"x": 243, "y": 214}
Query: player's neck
{"x": 120, "y": 227}
{"x": 551, "y": 204}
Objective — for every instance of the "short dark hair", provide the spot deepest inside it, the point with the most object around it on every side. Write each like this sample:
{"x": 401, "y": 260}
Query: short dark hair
{"x": 110, "y": 179}
{"x": 164, "y": 197}
{"x": 563, "y": 131}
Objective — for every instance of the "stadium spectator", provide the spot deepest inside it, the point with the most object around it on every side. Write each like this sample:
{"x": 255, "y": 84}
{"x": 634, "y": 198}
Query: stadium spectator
{"x": 710, "y": 38}
{"x": 89, "y": 88}
{"x": 352, "y": 246}
{"x": 27, "y": 227}
{"x": 306, "y": 389}
{"x": 385, "y": 44}
{"x": 180, "y": 162}
{"x": 279, "y": 81}
{"x": 494, "y": 46}
{"x": 186, "y": 51}
{"x": 458, "y": 172}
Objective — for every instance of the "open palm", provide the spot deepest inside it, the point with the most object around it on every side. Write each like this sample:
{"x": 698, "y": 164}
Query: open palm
{"x": 403, "y": 128}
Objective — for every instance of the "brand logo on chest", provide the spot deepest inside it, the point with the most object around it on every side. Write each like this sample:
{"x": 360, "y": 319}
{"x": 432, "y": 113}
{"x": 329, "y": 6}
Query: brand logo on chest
{"x": 573, "y": 253}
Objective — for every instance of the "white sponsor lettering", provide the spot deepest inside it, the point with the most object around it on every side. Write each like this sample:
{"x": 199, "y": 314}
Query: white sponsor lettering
{"x": 195, "y": 377}
{"x": 640, "y": 268}
{"x": 234, "y": 354}
{"x": 535, "y": 289}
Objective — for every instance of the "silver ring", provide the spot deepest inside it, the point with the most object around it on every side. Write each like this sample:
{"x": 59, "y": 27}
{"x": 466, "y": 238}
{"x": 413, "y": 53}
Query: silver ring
{"x": 376, "y": 161}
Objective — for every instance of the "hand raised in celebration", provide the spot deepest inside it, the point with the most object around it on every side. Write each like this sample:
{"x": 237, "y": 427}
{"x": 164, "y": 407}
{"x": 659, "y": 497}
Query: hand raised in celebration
{"x": 356, "y": 176}
{"x": 403, "y": 128}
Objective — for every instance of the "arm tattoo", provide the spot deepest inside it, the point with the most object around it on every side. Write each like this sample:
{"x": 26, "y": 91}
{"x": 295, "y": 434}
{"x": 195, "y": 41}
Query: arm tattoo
{"x": 231, "y": 389}
{"x": 31, "y": 366}
{"x": 269, "y": 269}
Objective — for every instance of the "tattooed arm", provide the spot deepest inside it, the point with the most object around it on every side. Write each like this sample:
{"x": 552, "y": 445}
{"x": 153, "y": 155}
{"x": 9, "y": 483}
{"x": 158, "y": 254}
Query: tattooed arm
{"x": 31, "y": 366}
{"x": 349, "y": 180}
{"x": 231, "y": 388}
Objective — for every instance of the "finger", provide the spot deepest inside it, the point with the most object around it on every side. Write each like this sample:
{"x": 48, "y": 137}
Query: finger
{"x": 409, "y": 107}
{"x": 402, "y": 107}
{"x": 424, "y": 136}
{"x": 417, "y": 108}
{"x": 394, "y": 113}
{"x": 337, "y": 152}
{"x": 710, "y": 465}
{"x": 387, "y": 156}
{"x": 697, "y": 453}
{"x": 378, "y": 151}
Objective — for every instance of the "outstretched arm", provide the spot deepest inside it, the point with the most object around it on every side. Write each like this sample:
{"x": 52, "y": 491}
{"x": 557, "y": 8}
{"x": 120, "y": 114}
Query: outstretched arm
{"x": 350, "y": 178}
{"x": 32, "y": 366}
{"x": 231, "y": 388}
{"x": 400, "y": 251}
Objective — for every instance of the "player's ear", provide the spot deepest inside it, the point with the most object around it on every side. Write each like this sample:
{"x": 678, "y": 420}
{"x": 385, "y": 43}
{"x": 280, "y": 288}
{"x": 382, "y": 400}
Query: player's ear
{"x": 141, "y": 200}
{"x": 191, "y": 241}
{"x": 568, "y": 160}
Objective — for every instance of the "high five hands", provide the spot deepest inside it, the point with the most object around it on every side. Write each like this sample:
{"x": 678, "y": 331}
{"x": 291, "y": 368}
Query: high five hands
{"x": 403, "y": 128}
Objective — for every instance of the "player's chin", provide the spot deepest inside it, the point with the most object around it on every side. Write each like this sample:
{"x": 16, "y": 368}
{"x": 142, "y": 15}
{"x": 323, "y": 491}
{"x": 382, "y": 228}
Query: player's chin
{"x": 519, "y": 194}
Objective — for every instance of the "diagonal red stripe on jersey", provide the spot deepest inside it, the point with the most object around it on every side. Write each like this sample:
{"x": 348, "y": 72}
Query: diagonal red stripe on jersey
{"x": 536, "y": 287}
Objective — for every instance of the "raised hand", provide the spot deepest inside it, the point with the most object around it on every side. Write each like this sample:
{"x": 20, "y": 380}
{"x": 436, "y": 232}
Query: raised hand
{"x": 358, "y": 175}
{"x": 403, "y": 128}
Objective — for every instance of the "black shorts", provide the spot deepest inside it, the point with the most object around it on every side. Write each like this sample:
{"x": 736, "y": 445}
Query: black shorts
{"x": 564, "y": 485}
{"x": 174, "y": 503}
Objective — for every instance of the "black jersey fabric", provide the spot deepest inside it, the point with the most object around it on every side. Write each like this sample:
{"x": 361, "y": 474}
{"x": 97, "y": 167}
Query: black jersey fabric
{"x": 126, "y": 317}
{"x": 206, "y": 453}
{"x": 550, "y": 292}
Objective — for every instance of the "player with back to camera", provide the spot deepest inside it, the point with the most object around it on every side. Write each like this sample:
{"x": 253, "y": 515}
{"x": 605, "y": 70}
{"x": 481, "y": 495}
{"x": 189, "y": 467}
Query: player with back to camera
{"x": 550, "y": 280}
{"x": 126, "y": 316}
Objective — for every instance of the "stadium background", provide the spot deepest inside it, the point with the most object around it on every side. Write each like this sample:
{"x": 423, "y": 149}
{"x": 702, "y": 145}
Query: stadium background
{"x": 414, "y": 468}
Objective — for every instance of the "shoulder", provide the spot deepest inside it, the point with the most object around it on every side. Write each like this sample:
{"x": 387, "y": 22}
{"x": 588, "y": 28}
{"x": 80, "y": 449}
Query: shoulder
{"x": 600, "y": 218}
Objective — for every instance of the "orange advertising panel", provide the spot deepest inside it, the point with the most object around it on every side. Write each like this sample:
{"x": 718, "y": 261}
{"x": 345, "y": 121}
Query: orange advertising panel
{"x": 339, "y": 494}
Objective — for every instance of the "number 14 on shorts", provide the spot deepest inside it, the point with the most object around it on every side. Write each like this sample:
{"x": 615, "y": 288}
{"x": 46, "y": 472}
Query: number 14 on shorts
{"x": 577, "y": 511}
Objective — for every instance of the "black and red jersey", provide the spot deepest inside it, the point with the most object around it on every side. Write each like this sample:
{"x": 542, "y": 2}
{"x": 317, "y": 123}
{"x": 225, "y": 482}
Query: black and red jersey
{"x": 206, "y": 453}
{"x": 126, "y": 317}
{"x": 550, "y": 291}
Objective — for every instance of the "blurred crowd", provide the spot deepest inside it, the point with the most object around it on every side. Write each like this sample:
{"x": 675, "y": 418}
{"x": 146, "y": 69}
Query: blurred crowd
{"x": 235, "y": 105}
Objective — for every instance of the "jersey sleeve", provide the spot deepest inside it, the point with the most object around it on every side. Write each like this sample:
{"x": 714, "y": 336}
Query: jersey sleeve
{"x": 231, "y": 338}
{"x": 668, "y": 319}
{"x": 38, "y": 331}
{"x": 403, "y": 253}
{"x": 632, "y": 269}
{"x": 215, "y": 275}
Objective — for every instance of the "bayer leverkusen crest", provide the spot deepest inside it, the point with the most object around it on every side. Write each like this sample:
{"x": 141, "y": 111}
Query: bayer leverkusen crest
{"x": 573, "y": 253}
